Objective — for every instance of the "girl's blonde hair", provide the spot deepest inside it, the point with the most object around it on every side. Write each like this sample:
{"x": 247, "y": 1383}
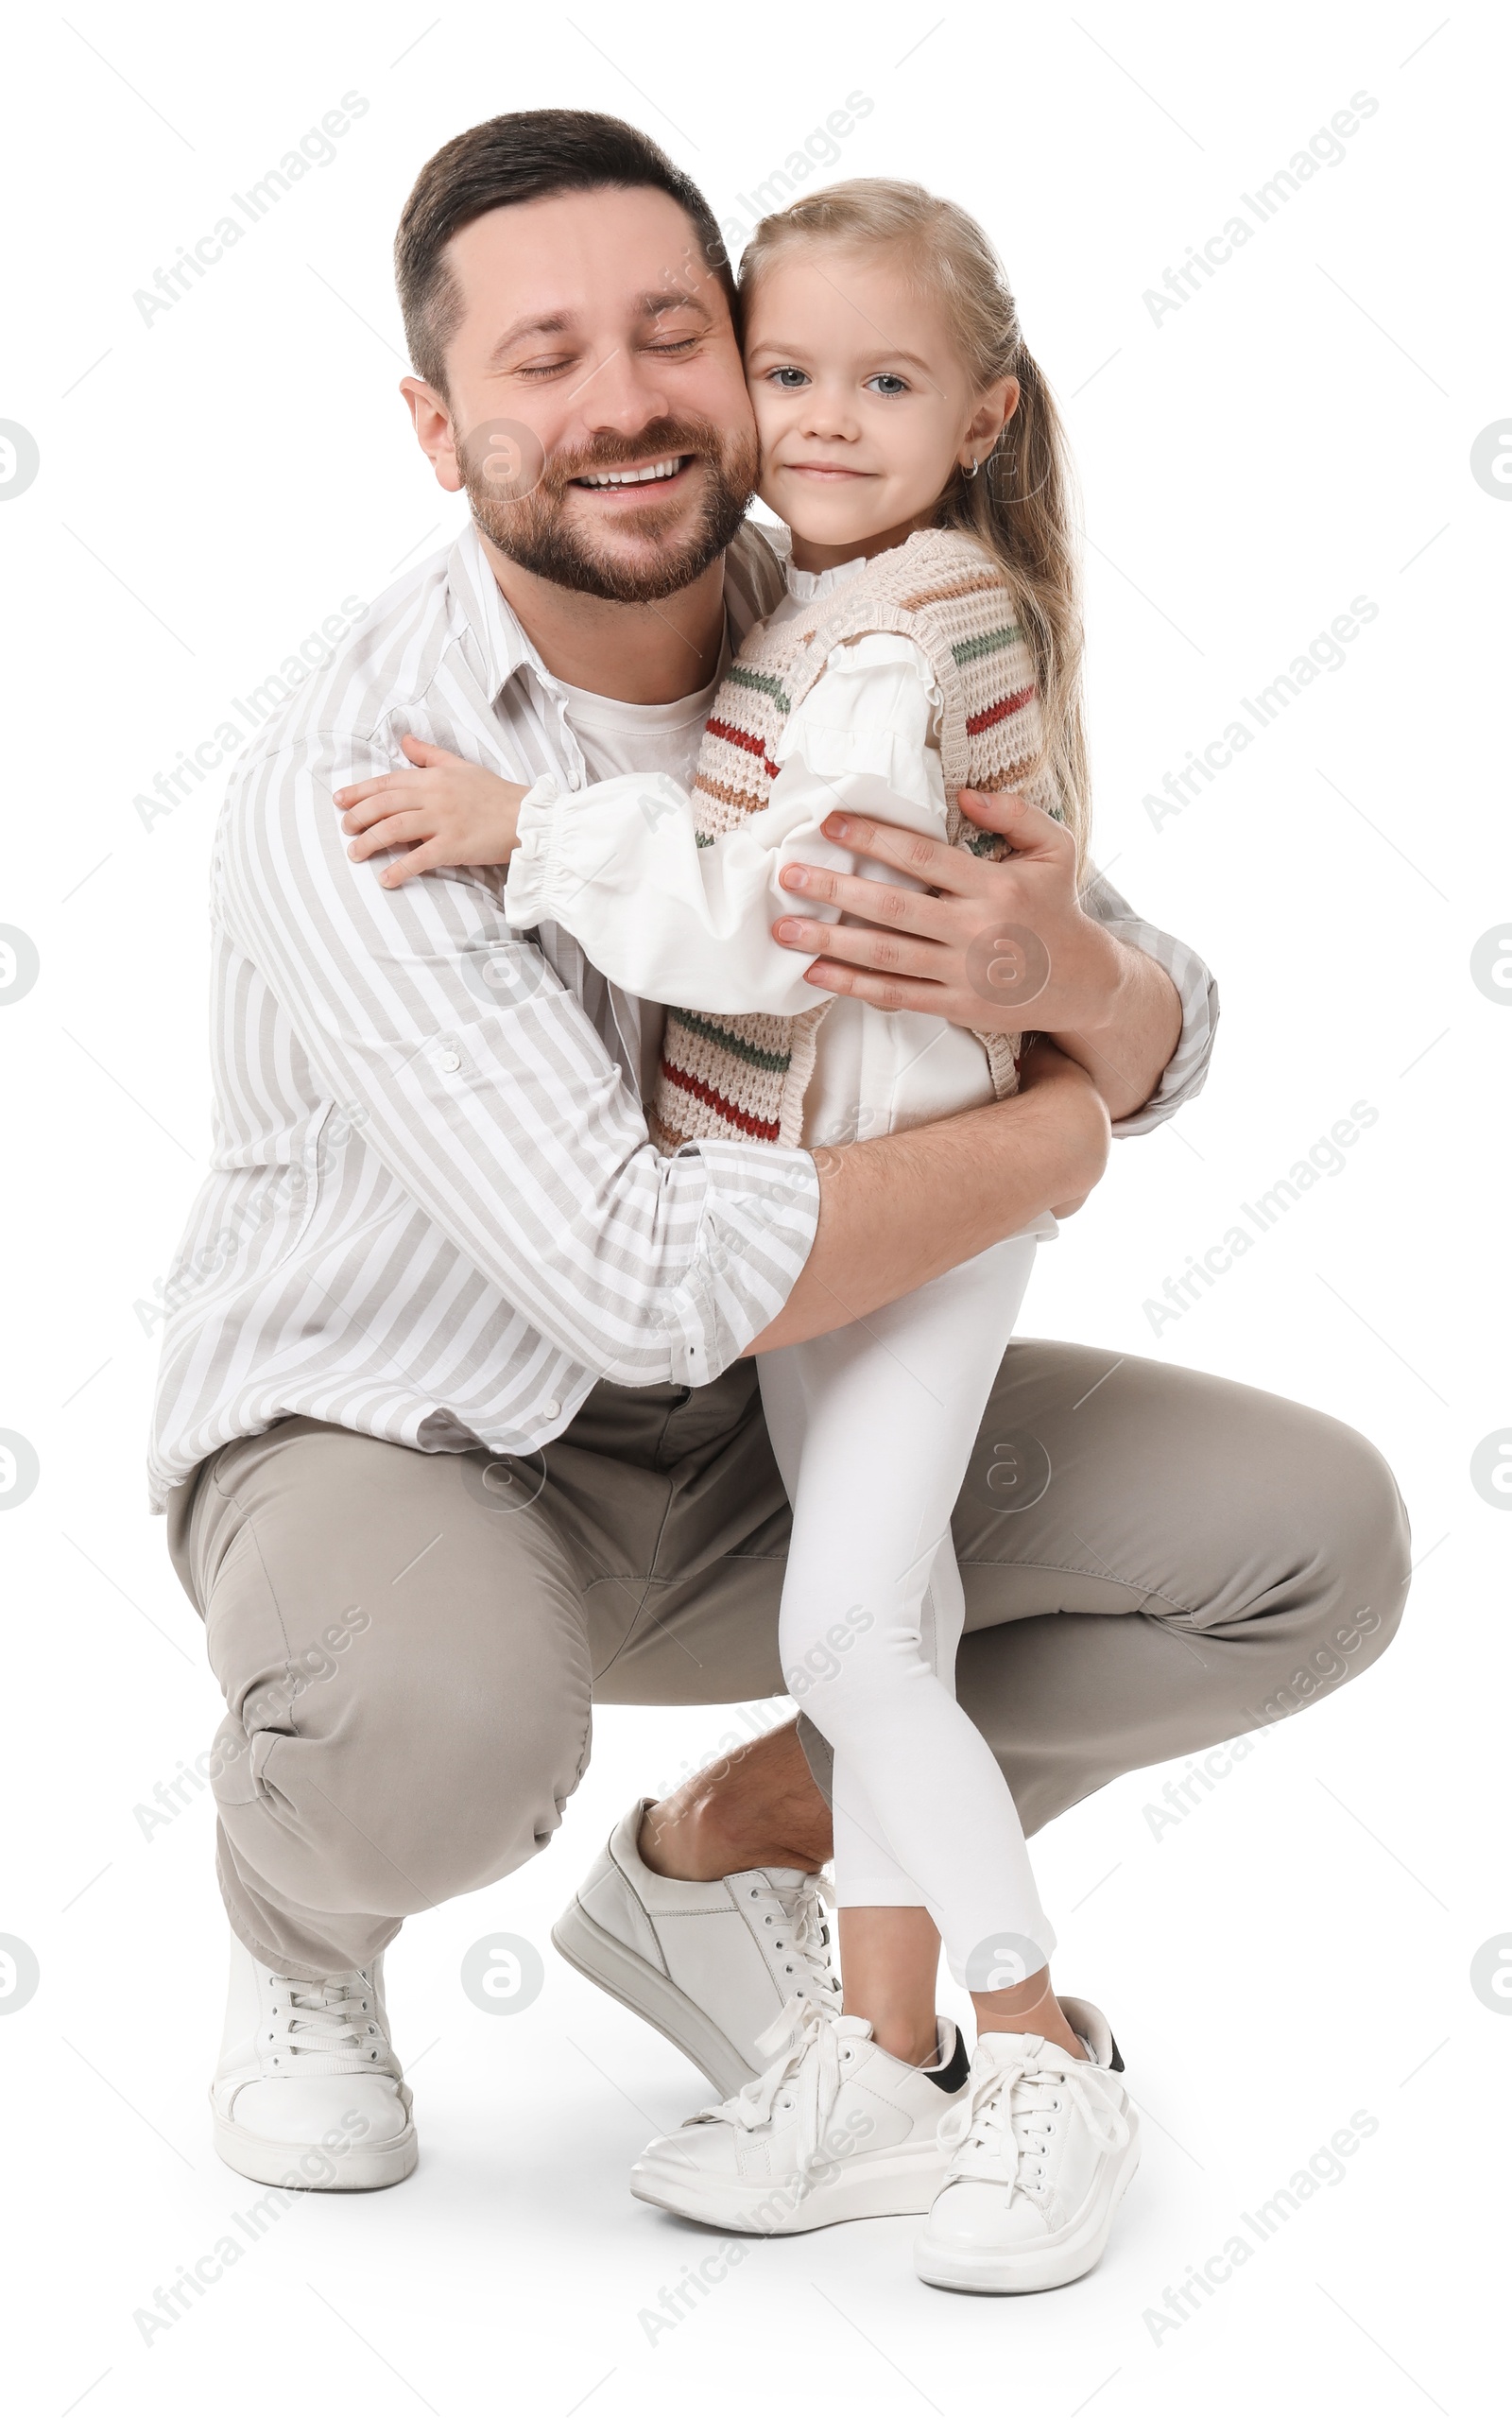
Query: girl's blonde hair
{"x": 1022, "y": 504}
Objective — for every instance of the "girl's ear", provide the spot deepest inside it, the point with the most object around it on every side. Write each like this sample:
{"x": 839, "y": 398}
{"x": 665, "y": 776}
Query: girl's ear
{"x": 995, "y": 407}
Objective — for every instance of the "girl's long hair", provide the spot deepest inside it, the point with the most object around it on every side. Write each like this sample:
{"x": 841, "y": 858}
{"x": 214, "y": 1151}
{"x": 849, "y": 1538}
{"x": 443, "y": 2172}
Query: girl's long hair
{"x": 1022, "y": 506}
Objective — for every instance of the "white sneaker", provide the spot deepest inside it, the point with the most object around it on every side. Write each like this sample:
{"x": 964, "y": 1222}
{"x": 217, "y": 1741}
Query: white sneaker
{"x": 712, "y": 1965}
{"x": 1044, "y": 2147}
{"x": 308, "y": 2092}
{"x": 835, "y": 2128}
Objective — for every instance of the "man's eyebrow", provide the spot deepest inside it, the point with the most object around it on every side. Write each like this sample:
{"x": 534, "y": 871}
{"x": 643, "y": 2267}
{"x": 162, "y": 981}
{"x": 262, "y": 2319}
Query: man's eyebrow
{"x": 671, "y": 299}
{"x": 534, "y": 325}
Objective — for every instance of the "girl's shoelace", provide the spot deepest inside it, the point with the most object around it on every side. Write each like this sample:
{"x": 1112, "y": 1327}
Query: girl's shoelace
{"x": 999, "y": 2129}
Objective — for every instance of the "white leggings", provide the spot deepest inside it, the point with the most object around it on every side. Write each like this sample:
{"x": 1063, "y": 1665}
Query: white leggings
{"x": 872, "y": 1426}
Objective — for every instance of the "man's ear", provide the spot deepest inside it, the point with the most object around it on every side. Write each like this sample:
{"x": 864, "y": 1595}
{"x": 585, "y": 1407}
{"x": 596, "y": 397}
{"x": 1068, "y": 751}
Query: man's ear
{"x": 433, "y": 428}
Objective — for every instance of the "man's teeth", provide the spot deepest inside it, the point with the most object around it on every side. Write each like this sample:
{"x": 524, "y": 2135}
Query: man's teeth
{"x": 662, "y": 472}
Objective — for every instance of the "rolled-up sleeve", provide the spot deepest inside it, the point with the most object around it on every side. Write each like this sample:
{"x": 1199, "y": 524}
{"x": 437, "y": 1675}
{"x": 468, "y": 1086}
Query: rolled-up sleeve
{"x": 1188, "y": 1070}
{"x": 481, "y": 1086}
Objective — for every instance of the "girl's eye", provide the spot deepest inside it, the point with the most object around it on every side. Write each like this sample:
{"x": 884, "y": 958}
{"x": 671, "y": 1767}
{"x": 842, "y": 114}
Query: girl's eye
{"x": 787, "y": 377}
{"x": 888, "y": 384}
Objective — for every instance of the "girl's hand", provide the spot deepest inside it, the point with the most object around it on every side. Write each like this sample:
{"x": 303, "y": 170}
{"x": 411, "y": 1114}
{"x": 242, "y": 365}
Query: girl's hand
{"x": 450, "y": 810}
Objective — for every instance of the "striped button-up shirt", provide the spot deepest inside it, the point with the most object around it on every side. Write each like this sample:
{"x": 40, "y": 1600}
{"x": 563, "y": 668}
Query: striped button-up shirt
{"x": 433, "y": 1214}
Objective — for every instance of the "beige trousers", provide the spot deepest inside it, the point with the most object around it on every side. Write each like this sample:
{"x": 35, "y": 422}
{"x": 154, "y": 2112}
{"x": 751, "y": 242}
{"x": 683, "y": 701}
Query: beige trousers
{"x": 409, "y": 1645}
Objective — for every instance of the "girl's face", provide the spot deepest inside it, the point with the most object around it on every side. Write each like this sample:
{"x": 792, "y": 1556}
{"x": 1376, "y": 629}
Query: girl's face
{"x": 863, "y": 405}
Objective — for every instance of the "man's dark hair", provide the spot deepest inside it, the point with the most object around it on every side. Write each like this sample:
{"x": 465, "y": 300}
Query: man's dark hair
{"x": 518, "y": 158}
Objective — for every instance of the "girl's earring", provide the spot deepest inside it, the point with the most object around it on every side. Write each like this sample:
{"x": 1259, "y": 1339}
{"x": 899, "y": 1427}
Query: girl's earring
{"x": 973, "y": 469}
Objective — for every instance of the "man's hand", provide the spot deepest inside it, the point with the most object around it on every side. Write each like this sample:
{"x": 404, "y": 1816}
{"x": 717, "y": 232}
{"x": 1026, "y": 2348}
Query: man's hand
{"x": 994, "y": 946}
{"x": 451, "y": 811}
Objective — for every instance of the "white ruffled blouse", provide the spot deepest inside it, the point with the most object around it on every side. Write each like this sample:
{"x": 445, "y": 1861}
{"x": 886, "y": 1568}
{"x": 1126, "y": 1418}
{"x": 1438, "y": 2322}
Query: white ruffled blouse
{"x": 617, "y": 864}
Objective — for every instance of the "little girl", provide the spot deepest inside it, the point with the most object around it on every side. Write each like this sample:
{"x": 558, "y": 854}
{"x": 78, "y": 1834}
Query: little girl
{"x": 928, "y": 642}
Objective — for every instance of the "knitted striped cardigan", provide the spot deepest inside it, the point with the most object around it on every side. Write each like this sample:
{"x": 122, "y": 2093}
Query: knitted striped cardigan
{"x": 743, "y": 1077}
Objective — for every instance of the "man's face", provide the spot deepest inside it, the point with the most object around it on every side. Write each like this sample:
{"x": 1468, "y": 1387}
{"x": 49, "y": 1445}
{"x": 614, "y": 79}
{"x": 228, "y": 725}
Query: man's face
{"x": 595, "y": 345}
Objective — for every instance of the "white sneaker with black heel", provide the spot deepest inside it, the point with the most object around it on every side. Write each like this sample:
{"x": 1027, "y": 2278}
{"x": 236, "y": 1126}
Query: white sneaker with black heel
{"x": 710, "y": 1965}
{"x": 308, "y": 2092}
{"x": 1042, "y": 2148}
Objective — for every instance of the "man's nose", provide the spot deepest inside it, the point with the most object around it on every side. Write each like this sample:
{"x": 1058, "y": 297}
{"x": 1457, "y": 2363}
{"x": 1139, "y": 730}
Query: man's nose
{"x": 621, "y": 393}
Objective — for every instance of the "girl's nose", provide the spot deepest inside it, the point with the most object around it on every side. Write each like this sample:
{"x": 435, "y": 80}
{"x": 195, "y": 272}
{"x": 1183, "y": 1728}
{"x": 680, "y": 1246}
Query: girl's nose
{"x": 829, "y": 417}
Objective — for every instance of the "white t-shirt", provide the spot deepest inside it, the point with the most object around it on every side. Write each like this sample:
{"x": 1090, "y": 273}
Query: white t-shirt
{"x": 620, "y": 739}
{"x": 619, "y": 736}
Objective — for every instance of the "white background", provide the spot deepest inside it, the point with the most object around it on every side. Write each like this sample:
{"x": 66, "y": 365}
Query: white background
{"x": 211, "y": 487}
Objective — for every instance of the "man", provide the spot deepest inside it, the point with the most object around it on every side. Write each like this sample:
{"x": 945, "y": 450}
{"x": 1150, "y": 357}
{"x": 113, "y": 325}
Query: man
{"x": 461, "y": 1431}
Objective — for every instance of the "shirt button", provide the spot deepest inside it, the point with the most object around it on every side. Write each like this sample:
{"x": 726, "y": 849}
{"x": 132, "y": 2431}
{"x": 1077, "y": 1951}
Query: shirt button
{"x": 449, "y": 1061}
{"x": 550, "y": 1410}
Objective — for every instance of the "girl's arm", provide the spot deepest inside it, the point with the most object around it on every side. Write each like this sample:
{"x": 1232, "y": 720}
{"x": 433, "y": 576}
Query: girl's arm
{"x": 618, "y": 865}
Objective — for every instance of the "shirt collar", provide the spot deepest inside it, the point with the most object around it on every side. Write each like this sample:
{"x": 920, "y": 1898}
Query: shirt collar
{"x": 499, "y": 645}
{"x": 491, "y": 634}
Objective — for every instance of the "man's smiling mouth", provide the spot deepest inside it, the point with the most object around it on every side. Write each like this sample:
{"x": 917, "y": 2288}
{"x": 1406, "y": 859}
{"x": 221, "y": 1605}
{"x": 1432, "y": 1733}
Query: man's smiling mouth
{"x": 621, "y": 478}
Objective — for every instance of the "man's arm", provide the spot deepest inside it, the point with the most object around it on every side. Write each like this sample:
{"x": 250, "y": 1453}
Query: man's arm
{"x": 1011, "y": 946}
{"x": 894, "y": 1213}
{"x": 483, "y": 1090}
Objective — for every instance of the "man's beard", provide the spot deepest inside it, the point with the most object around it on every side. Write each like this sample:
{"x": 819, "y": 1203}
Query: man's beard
{"x": 537, "y": 531}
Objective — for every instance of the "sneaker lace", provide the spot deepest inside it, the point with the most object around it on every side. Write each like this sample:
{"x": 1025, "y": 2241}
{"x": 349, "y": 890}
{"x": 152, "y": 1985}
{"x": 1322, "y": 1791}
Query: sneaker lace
{"x": 804, "y": 2045}
{"x": 332, "y": 2021}
{"x": 999, "y": 2129}
{"x": 810, "y": 1939}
